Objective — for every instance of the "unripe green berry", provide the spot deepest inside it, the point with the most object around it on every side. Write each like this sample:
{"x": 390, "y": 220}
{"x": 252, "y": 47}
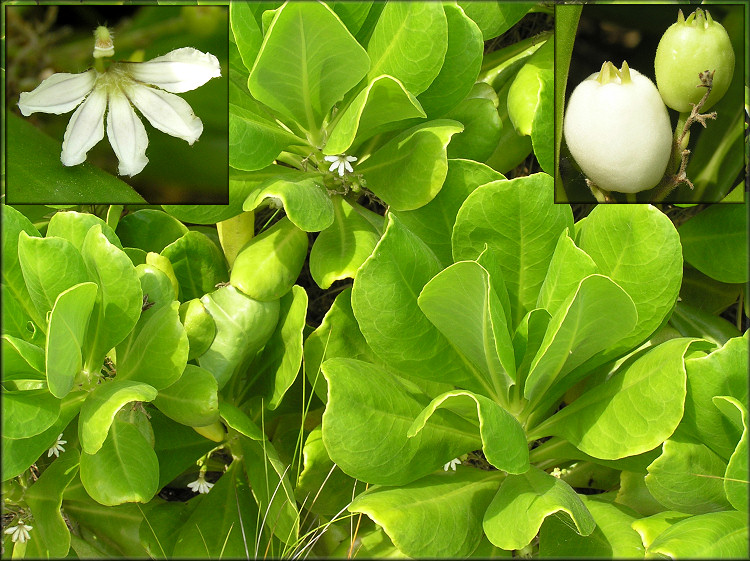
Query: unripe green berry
{"x": 686, "y": 49}
{"x": 618, "y": 131}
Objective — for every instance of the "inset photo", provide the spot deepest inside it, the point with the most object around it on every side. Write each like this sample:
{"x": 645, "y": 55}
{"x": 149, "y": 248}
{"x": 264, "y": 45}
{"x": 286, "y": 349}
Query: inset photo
{"x": 650, "y": 103}
{"x": 116, "y": 104}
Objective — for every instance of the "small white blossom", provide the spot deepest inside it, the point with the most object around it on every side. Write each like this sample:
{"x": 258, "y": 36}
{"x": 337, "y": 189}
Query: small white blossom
{"x": 57, "y": 447}
{"x": 452, "y": 464}
{"x": 115, "y": 92}
{"x": 342, "y": 162}
{"x": 19, "y": 532}
{"x": 200, "y": 485}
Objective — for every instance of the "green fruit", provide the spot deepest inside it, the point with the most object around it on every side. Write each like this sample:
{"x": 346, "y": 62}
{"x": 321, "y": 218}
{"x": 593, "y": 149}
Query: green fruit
{"x": 686, "y": 49}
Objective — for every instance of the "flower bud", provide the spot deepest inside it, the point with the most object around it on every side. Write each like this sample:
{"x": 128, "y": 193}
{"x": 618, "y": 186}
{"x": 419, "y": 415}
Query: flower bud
{"x": 687, "y": 48}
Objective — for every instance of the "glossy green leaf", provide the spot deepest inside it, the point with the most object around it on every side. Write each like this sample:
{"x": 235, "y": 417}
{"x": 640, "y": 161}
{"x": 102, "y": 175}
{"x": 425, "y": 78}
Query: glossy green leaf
{"x": 306, "y": 201}
{"x": 651, "y": 526}
{"x": 503, "y": 438}
{"x": 592, "y": 318}
{"x": 613, "y": 537}
{"x": 199, "y": 327}
{"x": 192, "y": 400}
{"x": 281, "y": 359}
{"x": 255, "y": 141}
{"x": 198, "y": 264}
{"x": 706, "y": 536}
{"x": 224, "y": 524}
{"x": 74, "y": 226}
{"x": 65, "y": 335}
{"x": 494, "y": 18}
{"x": 21, "y": 360}
{"x": 384, "y": 300}
{"x": 270, "y": 263}
{"x": 527, "y": 340}
{"x": 35, "y": 174}
{"x": 634, "y": 494}
{"x": 157, "y": 349}
{"x": 50, "y": 266}
{"x": 162, "y": 522}
{"x": 339, "y": 250}
{"x": 463, "y": 59}
{"x": 737, "y": 476}
{"x": 149, "y": 230}
{"x": 307, "y": 62}
{"x": 692, "y": 322}
{"x": 707, "y": 294}
{"x": 630, "y": 404}
{"x": 246, "y": 32}
{"x": 517, "y": 221}
{"x": 45, "y": 497}
{"x": 238, "y": 420}
{"x": 156, "y": 286}
{"x": 18, "y": 455}
{"x": 101, "y": 407}
{"x": 364, "y": 401}
{"x": 124, "y": 469}
{"x": 715, "y": 242}
{"x": 409, "y": 43}
{"x": 419, "y": 153}
{"x": 411, "y": 514}
{"x": 522, "y": 504}
{"x": 118, "y": 299}
{"x": 634, "y": 245}
{"x": 164, "y": 265}
{"x": 477, "y": 112}
{"x": 269, "y": 480}
{"x": 378, "y": 108}
{"x": 688, "y": 477}
{"x": 723, "y": 372}
{"x": 28, "y": 413}
{"x": 462, "y": 304}
{"x": 433, "y": 222}
{"x": 243, "y": 326}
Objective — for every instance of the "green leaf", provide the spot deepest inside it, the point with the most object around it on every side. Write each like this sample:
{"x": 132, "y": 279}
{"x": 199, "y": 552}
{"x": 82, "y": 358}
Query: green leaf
{"x": 21, "y": 360}
{"x": 306, "y": 202}
{"x": 494, "y": 18}
{"x": 366, "y": 421}
{"x": 688, "y": 477}
{"x": 613, "y": 537}
{"x": 409, "y": 43}
{"x": 28, "y": 413}
{"x": 339, "y": 250}
{"x": 715, "y": 242}
{"x": 162, "y": 522}
{"x": 635, "y": 245}
{"x": 737, "y": 474}
{"x": 124, "y": 469}
{"x": 568, "y": 267}
{"x": 45, "y": 497}
{"x": 266, "y": 268}
{"x": 198, "y": 264}
{"x": 307, "y": 62}
{"x": 50, "y": 267}
{"x": 67, "y": 327}
{"x": 199, "y": 327}
{"x": 707, "y": 294}
{"x": 631, "y": 404}
{"x": 651, "y": 526}
{"x": 380, "y": 107}
{"x": 157, "y": 349}
{"x": 254, "y": 141}
{"x": 236, "y": 419}
{"x": 243, "y": 326}
{"x": 384, "y": 300}
{"x": 482, "y": 128}
{"x": 192, "y": 400}
{"x": 433, "y": 222}
{"x": 517, "y": 221}
{"x": 723, "y": 372}
{"x": 706, "y": 536}
{"x": 149, "y": 230}
{"x": 410, "y": 514}
{"x": 463, "y": 59}
{"x": 592, "y": 318}
{"x": 524, "y": 501}
{"x": 225, "y": 522}
{"x": 280, "y": 361}
{"x": 246, "y": 32}
{"x": 101, "y": 406}
{"x": 419, "y": 153}
{"x": 503, "y": 438}
{"x": 118, "y": 299}
{"x": 462, "y": 304}
{"x": 74, "y": 226}
{"x": 35, "y": 174}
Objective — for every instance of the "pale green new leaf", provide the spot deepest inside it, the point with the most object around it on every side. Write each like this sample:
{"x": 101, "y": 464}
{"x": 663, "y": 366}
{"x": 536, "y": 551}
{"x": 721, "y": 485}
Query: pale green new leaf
{"x": 706, "y": 536}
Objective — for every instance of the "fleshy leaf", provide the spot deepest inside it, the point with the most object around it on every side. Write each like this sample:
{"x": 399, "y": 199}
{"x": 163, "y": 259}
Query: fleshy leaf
{"x": 706, "y": 536}
{"x": 192, "y": 400}
{"x": 198, "y": 264}
{"x": 306, "y": 202}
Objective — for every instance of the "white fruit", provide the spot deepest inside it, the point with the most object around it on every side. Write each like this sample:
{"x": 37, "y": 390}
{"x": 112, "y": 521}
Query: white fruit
{"x": 618, "y": 131}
